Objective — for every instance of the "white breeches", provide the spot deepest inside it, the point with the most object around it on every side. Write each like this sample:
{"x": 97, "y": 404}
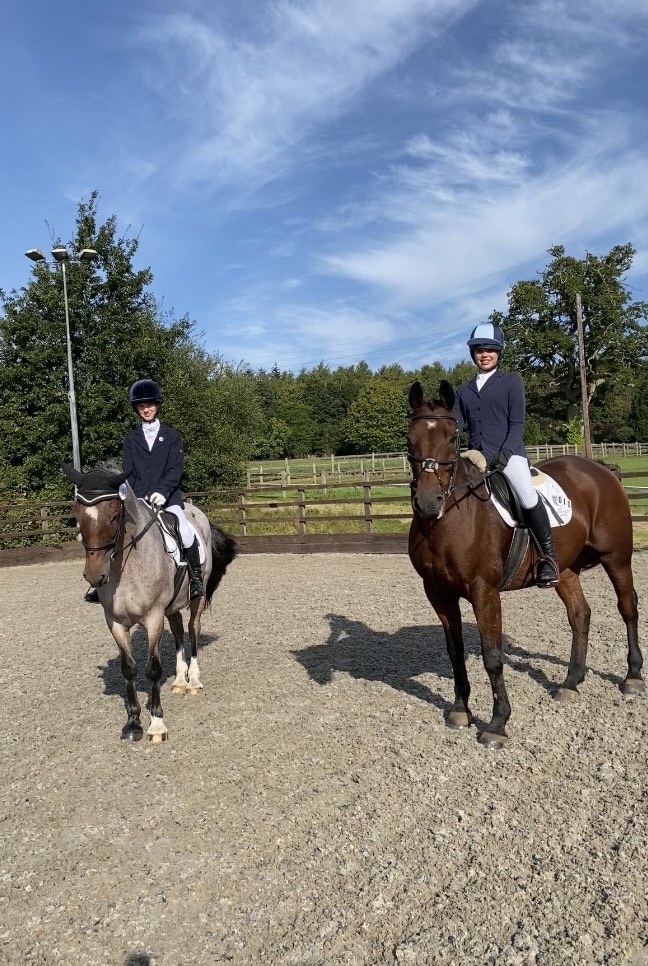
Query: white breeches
{"x": 518, "y": 472}
{"x": 186, "y": 533}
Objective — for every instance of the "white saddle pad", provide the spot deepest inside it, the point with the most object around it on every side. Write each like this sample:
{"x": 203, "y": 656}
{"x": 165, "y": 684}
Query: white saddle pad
{"x": 559, "y": 508}
{"x": 172, "y": 547}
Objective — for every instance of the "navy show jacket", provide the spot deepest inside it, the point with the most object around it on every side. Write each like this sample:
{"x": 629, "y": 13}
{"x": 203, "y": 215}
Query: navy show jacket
{"x": 495, "y": 416}
{"x": 158, "y": 470}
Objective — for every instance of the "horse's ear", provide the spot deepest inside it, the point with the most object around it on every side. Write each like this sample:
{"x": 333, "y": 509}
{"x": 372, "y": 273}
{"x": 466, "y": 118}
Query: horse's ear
{"x": 416, "y": 396}
{"x": 446, "y": 394}
{"x": 73, "y": 475}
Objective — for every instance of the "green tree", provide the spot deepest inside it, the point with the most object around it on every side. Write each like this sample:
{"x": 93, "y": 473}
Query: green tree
{"x": 541, "y": 330}
{"x": 377, "y": 421}
{"x": 638, "y": 418}
{"x": 118, "y": 334}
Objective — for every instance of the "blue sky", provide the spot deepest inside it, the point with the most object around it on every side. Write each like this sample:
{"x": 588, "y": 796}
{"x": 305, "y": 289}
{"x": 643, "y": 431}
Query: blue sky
{"x": 318, "y": 180}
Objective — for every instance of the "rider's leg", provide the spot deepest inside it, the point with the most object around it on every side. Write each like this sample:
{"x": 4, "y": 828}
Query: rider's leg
{"x": 536, "y": 518}
{"x": 192, "y": 552}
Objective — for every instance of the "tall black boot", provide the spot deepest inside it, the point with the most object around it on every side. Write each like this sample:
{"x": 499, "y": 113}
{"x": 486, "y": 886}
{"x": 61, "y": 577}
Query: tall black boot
{"x": 537, "y": 520}
{"x": 196, "y": 588}
{"x": 91, "y": 596}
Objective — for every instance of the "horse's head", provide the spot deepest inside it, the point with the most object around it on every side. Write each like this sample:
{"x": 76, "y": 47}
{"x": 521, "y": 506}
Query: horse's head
{"x": 98, "y": 512}
{"x": 433, "y": 449}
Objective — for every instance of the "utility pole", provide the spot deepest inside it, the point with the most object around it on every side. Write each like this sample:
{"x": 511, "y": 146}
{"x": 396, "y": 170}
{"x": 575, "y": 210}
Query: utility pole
{"x": 583, "y": 377}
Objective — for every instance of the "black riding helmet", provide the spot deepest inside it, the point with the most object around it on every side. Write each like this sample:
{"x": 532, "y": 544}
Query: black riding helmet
{"x": 144, "y": 390}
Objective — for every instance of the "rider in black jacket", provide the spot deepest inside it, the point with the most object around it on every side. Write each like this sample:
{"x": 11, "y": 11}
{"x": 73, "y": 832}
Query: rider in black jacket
{"x": 492, "y": 405}
{"x": 153, "y": 457}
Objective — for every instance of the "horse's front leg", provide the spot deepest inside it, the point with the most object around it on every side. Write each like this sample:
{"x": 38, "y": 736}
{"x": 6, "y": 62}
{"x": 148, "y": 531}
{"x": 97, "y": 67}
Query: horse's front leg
{"x": 179, "y": 684}
{"x": 154, "y": 625}
{"x": 449, "y": 613}
{"x": 132, "y": 730}
{"x": 194, "y": 684}
{"x": 487, "y": 605}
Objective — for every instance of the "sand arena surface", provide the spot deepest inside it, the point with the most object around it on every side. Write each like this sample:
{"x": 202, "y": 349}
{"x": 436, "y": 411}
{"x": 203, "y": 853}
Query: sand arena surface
{"x": 310, "y": 806}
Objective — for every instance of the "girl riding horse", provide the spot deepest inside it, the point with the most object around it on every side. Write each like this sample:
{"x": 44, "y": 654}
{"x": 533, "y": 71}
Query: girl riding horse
{"x": 493, "y": 406}
{"x": 153, "y": 459}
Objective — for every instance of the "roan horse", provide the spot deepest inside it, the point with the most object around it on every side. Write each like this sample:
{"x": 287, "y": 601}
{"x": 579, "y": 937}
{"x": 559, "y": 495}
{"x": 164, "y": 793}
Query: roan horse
{"x": 458, "y": 544}
{"x": 126, "y": 560}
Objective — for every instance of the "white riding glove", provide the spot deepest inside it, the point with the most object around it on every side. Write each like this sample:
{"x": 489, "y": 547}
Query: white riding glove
{"x": 157, "y": 500}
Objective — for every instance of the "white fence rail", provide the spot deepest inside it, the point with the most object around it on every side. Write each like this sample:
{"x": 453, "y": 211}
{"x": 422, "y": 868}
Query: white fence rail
{"x": 338, "y": 468}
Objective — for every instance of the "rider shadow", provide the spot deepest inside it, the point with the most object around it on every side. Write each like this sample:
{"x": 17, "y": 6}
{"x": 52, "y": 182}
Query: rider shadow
{"x": 111, "y": 674}
{"x": 398, "y": 659}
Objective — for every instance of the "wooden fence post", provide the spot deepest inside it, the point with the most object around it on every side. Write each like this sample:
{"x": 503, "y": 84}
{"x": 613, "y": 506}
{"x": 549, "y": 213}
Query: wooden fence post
{"x": 368, "y": 509}
{"x": 301, "y": 525}
{"x": 44, "y": 520}
{"x": 241, "y": 513}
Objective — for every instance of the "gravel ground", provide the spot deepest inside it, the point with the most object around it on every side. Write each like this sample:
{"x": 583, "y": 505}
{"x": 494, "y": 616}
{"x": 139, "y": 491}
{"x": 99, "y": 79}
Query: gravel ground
{"x": 310, "y": 807}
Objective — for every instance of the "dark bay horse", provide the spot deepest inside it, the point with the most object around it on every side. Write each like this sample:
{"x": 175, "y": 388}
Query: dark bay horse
{"x": 127, "y": 562}
{"x": 458, "y": 544}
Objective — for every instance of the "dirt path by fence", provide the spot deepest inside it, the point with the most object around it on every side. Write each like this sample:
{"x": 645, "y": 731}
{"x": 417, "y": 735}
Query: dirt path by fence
{"x": 310, "y": 808}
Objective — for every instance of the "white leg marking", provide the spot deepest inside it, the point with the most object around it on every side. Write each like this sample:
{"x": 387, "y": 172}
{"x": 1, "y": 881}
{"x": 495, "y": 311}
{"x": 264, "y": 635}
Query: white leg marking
{"x": 179, "y": 685}
{"x": 194, "y": 684}
{"x": 157, "y": 730}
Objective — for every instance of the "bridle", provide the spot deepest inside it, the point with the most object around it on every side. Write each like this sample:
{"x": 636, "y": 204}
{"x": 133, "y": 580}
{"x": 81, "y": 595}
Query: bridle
{"x": 91, "y": 498}
{"x": 431, "y": 465}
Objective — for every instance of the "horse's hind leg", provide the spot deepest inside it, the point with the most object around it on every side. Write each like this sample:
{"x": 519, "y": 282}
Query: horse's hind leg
{"x": 571, "y": 593}
{"x": 194, "y": 684}
{"x": 621, "y": 576}
{"x": 179, "y": 684}
{"x": 448, "y": 612}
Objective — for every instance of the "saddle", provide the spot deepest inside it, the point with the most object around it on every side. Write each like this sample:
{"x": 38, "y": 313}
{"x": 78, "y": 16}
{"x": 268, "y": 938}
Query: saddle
{"x": 500, "y": 489}
{"x": 506, "y": 502}
{"x": 169, "y": 524}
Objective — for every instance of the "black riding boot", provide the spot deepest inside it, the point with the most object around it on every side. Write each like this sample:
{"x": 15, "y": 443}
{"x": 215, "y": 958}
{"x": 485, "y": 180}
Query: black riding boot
{"x": 537, "y": 520}
{"x": 91, "y": 596}
{"x": 196, "y": 588}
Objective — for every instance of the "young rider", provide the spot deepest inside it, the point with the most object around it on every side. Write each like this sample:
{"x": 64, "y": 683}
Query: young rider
{"x": 153, "y": 457}
{"x": 492, "y": 405}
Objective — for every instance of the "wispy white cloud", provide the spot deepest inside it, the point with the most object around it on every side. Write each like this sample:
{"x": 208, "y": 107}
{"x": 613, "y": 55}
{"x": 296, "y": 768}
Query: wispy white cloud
{"x": 246, "y": 104}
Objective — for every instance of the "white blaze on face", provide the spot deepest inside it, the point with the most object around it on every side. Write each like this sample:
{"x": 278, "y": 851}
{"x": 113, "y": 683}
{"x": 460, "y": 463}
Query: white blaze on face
{"x": 430, "y": 423}
{"x": 92, "y": 513}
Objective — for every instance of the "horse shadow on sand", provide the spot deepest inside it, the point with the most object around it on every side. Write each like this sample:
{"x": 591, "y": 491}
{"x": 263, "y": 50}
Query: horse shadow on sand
{"x": 398, "y": 659}
{"x": 111, "y": 674}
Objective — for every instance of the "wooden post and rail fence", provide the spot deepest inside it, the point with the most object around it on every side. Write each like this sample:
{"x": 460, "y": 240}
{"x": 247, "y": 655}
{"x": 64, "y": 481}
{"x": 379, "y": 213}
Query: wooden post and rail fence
{"x": 300, "y": 518}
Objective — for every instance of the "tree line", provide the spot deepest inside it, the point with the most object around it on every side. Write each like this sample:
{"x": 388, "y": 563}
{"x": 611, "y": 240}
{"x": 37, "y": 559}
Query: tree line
{"x": 229, "y": 414}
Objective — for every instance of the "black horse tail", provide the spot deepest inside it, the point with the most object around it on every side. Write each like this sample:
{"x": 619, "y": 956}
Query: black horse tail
{"x": 223, "y": 552}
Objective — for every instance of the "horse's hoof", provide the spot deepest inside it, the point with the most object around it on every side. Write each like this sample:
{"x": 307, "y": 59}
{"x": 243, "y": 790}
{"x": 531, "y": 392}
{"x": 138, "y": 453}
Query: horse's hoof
{"x": 566, "y": 695}
{"x": 633, "y": 687}
{"x": 193, "y": 690}
{"x": 157, "y": 737}
{"x": 179, "y": 689}
{"x": 458, "y": 720}
{"x": 131, "y": 733}
{"x": 492, "y": 741}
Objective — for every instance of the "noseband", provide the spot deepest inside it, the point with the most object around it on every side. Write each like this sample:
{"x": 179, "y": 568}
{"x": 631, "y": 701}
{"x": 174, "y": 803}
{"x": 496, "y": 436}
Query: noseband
{"x": 431, "y": 465}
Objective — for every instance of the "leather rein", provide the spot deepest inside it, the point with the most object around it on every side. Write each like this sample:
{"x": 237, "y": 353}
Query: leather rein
{"x": 431, "y": 465}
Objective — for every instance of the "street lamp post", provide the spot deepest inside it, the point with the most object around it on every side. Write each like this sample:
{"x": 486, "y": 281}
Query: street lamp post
{"x": 61, "y": 256}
